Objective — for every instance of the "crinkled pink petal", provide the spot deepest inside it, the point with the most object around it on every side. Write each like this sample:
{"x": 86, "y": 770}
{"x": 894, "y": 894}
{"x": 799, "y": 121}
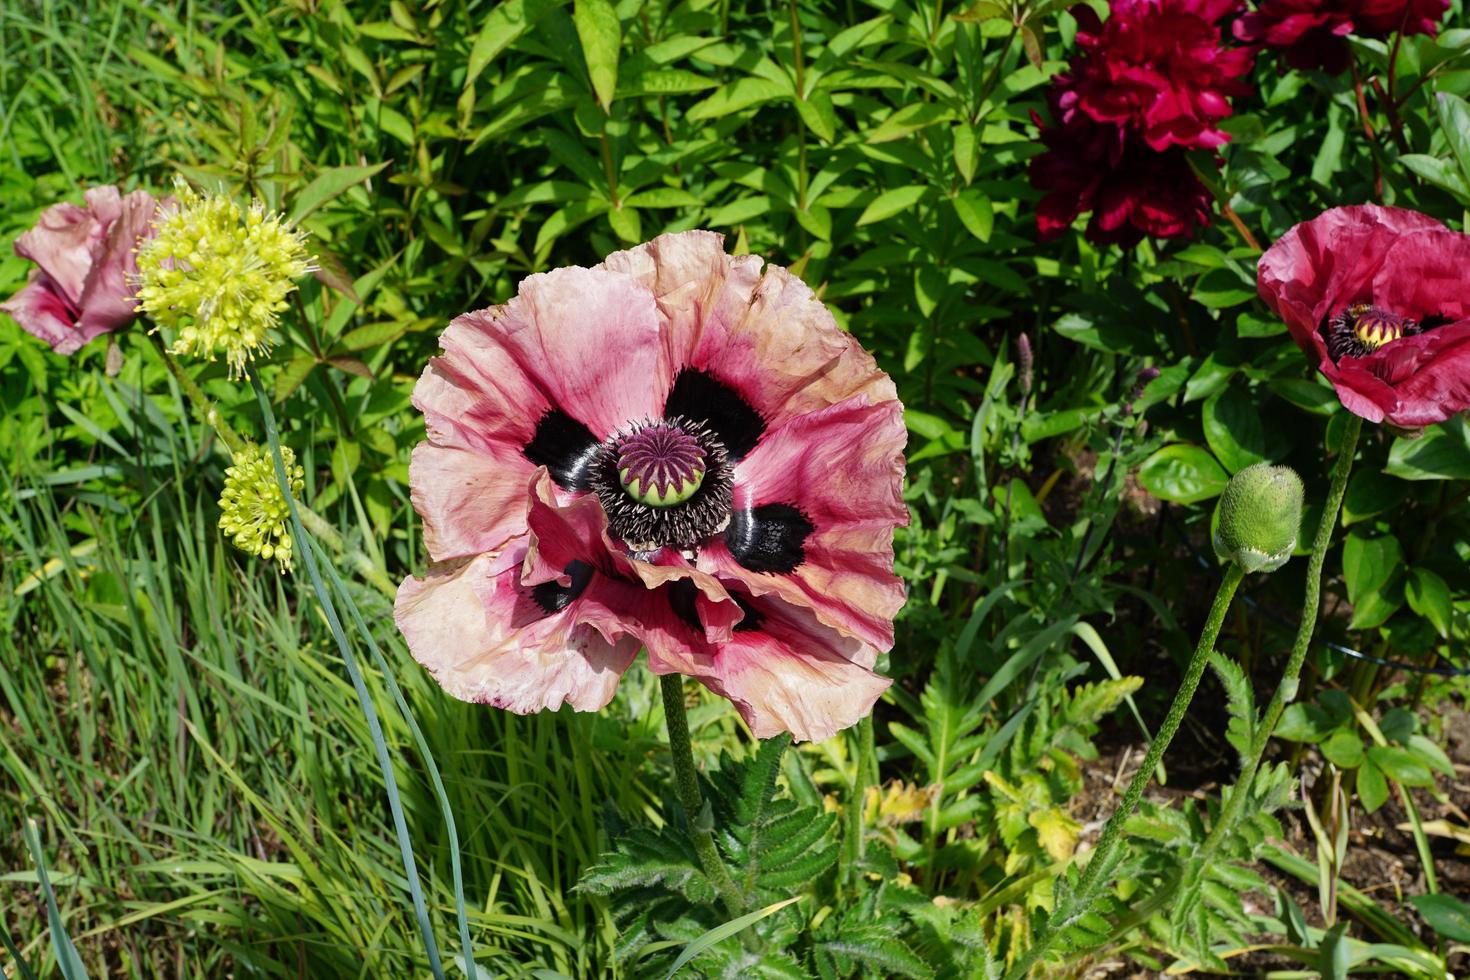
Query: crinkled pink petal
{"x": 485, "y": 639}
{"x": 842, "y": 467}
{"x": 107, "y": 300}
{"x": 62, "y": 242}
{"x": 470, "y": 501}
{"x": 43, "y": 311}
{"x": 769, "y": 339}
{"x": 790, "y": 673}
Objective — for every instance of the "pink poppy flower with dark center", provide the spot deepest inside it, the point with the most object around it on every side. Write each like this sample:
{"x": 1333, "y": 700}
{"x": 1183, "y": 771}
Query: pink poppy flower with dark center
{"x": 1380, "y": 298}
{"x": 677, "y": 449}
{"x": 1131, "y": 190}
{"x": 1159, "y": 67}
{"x": 85, "y": 255}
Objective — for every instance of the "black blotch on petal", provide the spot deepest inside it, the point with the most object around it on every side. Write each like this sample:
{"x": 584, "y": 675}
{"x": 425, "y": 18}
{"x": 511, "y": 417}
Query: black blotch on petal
{"x": 565, "y": 447}
{"x": 753, "y": 619}
{"x": 683, "y": 595}
{"x": 554, "y": 597}
{"x": 769, "y": 538}
{"x": 700, "y": 397}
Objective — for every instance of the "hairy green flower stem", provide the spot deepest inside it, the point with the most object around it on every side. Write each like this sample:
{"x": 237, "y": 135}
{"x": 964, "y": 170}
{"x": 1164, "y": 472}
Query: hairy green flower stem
{"x": 1080, "y": 900}
{"x": 856, "y": 824}
{"x": 1291, "y": 677}
{"x": 314, "y": 522}
{"x": 687, "y": 785}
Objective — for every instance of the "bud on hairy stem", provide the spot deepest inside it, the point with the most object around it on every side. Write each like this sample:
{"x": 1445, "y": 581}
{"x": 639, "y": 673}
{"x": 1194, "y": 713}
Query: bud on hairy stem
{"x": 1260, "y": 517}
{"x": 1027, "y": 361}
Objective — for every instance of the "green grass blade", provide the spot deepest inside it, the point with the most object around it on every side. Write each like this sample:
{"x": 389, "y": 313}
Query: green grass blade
{"x": 344, "y": 645}
{"x": 724, "y": 931}
{"x": 67, "y": 958}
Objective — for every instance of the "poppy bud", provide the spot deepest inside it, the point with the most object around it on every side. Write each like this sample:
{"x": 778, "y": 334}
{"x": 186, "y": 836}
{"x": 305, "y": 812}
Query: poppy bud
{"x": 1260, "y": 515}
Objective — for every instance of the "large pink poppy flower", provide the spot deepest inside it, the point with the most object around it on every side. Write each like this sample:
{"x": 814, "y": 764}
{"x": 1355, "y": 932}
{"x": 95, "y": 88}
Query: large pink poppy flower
{"x": 1158, "y": 67}
{"x": 1380, "y": 297}
{"x": 676, "y": 448}
{"x": 85, "y": 256}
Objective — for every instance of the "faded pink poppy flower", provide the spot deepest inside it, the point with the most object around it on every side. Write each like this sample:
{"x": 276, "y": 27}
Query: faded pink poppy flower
{"x": 1378, "y": 298}
{"x": 82, "y": 287}
{"x": 676, "y": 449}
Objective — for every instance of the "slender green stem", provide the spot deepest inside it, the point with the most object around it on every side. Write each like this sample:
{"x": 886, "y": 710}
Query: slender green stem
{"x": 1291, "y": 677}
{"x": 206, "y": 410}
{"x": 1076, "y": 905}
{"x": 687, "y": 785}
{"x": 318, "y": 525}
{"x": 856, "y": 825}
{"x": 364, "y": 697}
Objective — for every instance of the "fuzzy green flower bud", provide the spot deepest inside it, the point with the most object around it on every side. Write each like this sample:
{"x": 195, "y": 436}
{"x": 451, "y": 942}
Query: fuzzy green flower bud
{"x": 253, "y": 512}
{"x": 1260, "y": 516}
{"x": 219, "y": 276}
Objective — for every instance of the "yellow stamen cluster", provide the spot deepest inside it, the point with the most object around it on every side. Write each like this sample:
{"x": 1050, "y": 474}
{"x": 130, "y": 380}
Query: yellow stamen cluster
{"x": 218, "y": 275}
{"x": 253, "y": 511}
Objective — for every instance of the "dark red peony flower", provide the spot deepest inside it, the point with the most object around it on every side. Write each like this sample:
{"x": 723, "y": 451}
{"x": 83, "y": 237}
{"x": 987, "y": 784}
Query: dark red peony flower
{"x": 1159, "y": 67}
{"x": 84, "y": 258}
{"x": 1131, "y": 190}
{"x": 1380, "y": 18}
{"x": 1313, "y": 33}
{"x": 678, "y": 449}
{"x": 1309, "y": 33}
{"x": 1381, "y": 298}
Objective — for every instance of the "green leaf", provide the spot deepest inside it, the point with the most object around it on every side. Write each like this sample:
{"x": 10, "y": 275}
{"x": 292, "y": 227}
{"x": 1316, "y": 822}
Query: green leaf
{"x": 506, "y": 22}
{"x": 909, "y": 119}
{"x": 725, "y": 931}
{"x": 1182, "y": 473}
{"x": 1372, "y": 570}
{"x": 1401, "y": 765}
{"x": 892, "y": 202}
{"x": 1441, "y": 453}
{"x": 1454, "y": 120}
{"x": 1344, "y": 750}
{"x": 327, "y": 185}
{"x": 1372, "y": 787}
{"x": 1446, "y": 915}
{"x": 1429, "y": 596}
{"x": 1234, "y": 430}
{"x": 601, "y": 36}
{"x": 819, "y": 115}
{"x": 975, "y": 212}
{"x": 739, "y": 94}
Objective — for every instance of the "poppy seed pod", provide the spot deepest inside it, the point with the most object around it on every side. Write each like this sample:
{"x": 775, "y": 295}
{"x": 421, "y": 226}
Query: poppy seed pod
{"x": 1260, "y": 516}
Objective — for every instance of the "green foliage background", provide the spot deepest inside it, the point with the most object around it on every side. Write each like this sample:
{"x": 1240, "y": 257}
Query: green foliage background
{"x": 176, "y": 722}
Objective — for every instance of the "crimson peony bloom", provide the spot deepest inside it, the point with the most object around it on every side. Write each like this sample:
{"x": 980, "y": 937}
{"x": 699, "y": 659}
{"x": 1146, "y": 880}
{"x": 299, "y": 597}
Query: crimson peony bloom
{"x": 1313, "y": 33}
{"x": 1157, "y": 66}
{"x": 85, "y": 257}
{"x": 677, "y": 450}
{"x": 1310, "y": 33}
{"x": 1131, "y": 190}
{"x": 1380, "y": 18}
{"x": 1379, "y": 297}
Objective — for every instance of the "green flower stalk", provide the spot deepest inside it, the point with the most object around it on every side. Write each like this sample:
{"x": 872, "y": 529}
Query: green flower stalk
{"x": 253, "y": 510}
{"x": 219, "y": 275}
{"x": 1260, "y": 515}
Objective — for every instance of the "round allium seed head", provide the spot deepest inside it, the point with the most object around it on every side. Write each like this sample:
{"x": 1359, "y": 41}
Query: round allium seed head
{"x": 1260, "y": 517}
{"x": 253, "y": 512}
{"x": 219, "y": 276}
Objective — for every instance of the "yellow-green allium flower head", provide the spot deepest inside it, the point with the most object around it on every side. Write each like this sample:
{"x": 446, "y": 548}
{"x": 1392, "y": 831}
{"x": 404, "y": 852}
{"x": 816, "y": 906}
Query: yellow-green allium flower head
{"x": 219, "y": 275}
{"x": 253, "y": 510}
